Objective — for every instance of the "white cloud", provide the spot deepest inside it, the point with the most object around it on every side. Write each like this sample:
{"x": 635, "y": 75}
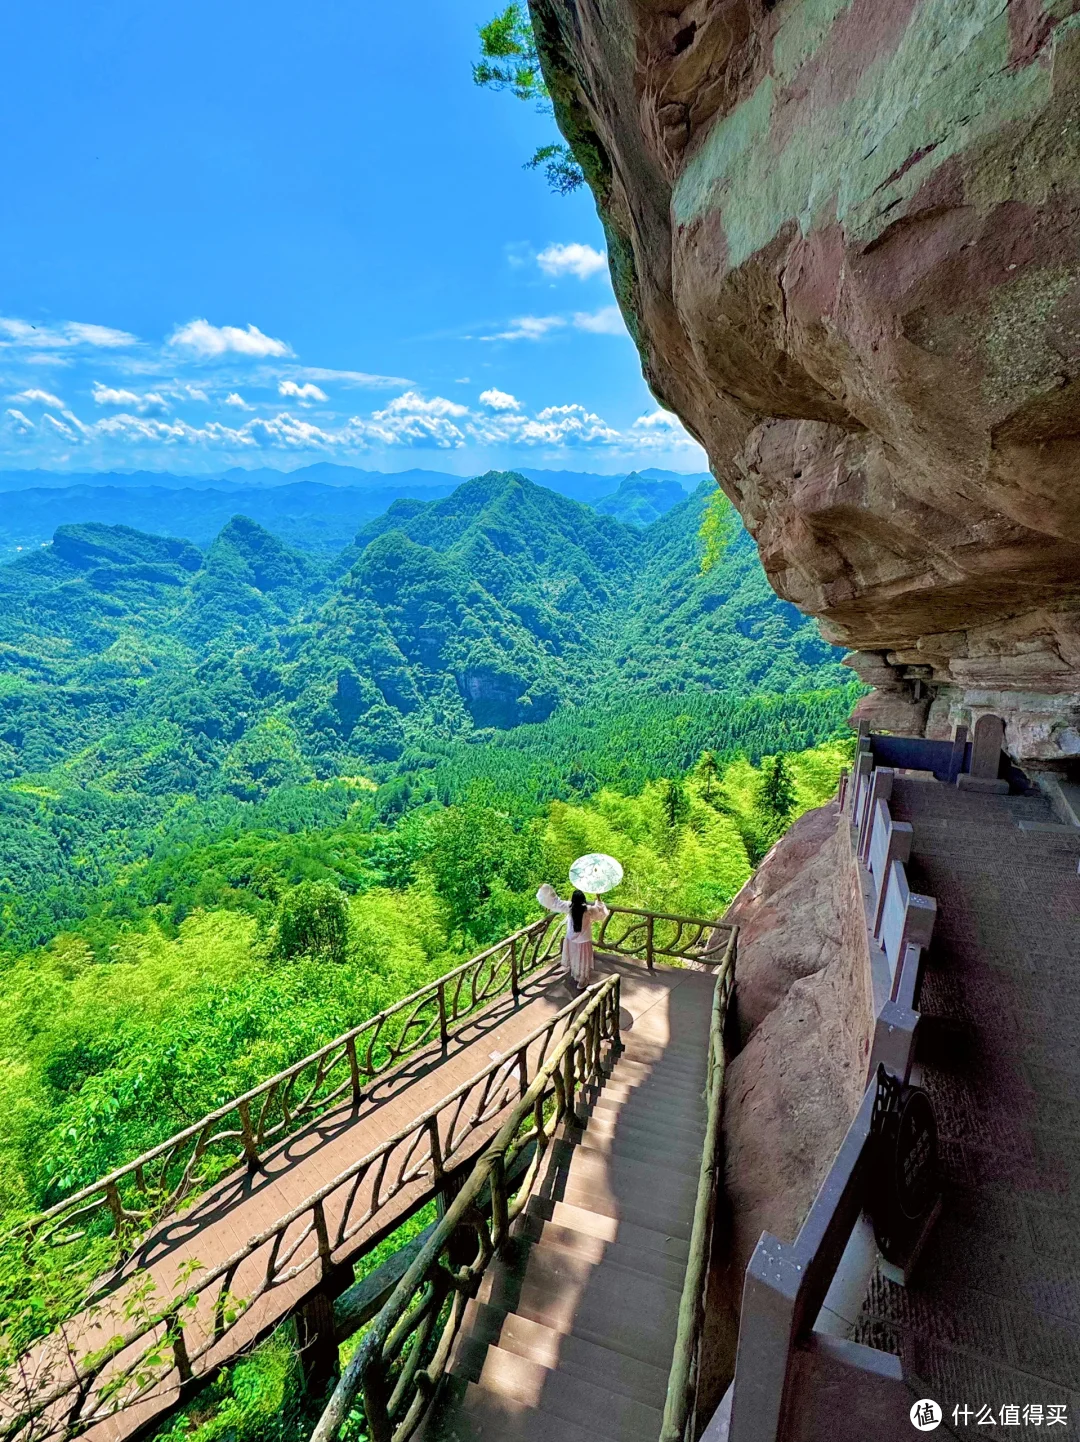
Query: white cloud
{"x": 109, "y": 396}
{"x": 152, "y": 403}
{"x": 411, "y": 420}
{"x": 66, "y": 333}
{"x": 350, "y": 378}
{"x": 415, "y": 405}
{"x": 17, "y": 422}
{"x": 97, "y": 335}
{"x": 660, "y": 430}
{"x": 207, "y": 341}
{"x": 574, "y": 259}
{"x": 606, "y": 321}
{"x": 528, "y": 327}
{"x": 45, "y": 398}
{"x": 499, "y": 401}
{"x": 306, "y": 392}
{"x": 68, "y": 433}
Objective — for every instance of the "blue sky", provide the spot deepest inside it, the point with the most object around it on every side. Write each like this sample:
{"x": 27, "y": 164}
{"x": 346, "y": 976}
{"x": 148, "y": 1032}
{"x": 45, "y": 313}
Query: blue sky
{"x": 269, "y": 234}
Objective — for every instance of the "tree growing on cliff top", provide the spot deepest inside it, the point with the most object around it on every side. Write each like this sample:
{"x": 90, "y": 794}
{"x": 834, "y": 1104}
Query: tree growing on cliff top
{"x": 509, "y": 62}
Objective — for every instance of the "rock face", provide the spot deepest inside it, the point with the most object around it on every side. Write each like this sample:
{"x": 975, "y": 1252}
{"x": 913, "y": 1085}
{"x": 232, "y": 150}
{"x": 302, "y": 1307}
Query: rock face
{"x": 844, "y": 234}
{"x": 805, "y": 1019}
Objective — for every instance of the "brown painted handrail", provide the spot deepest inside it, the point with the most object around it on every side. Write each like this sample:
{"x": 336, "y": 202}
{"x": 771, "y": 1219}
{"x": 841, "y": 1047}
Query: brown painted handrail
{"x": 680, "y": 1404}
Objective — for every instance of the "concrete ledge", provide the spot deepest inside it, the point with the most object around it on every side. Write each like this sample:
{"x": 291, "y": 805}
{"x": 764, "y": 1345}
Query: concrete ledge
{"x": 1063, "y": 799}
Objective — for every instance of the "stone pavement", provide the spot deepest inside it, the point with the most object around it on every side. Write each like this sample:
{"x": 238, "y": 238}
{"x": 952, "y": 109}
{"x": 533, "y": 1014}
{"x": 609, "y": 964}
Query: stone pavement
{"x": 992, "y": 1318}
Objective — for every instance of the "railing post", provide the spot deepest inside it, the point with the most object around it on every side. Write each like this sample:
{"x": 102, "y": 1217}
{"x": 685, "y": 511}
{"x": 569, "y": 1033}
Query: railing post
{"x": 500, "y": 1217}
{"x": 649, "y": 925}
{"x": 444, "y": 1033}
{"x": 354, "y": 1069}
{"x": 323, "y": 1236}
{"x": 513, "y": 968}
{"x": 318, "y": 1344}
{"x": 247, "y": 1135}
{"x": 375, "y": 1400}
{"x": 181, "y": 1361}
{"x": 568, "y": 1084}
{"x": 116, "y": 1206}
{"x": 435, "y": 1147}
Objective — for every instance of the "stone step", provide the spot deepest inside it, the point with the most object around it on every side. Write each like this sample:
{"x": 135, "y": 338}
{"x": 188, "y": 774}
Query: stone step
{"x": 688, "y": 1111}
{"x": 647, "y": 1147}
{"x": 665, "y": 1064}
{"x": 569, "y": 1397}
{"x": 559, "y": 1351}
{"x": 689, "y": 1068}
{"x": 604, "y": 1304}
{"x": 650, "y": 1087}
{"x": 617, "y": 1186}
{"x": 609, "y": 1229}
{"x": 608, "y": 1122}
{"x": 482, "y": 1416}
{"x": 649, "y": 1261}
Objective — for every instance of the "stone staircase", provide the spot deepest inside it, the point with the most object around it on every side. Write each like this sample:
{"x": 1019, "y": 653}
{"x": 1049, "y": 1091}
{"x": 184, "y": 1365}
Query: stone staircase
{"x": 572, "y": 1333}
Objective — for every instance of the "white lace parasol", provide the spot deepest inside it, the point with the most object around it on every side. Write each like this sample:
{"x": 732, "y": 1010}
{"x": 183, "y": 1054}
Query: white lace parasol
{"x": 596, "y": 873}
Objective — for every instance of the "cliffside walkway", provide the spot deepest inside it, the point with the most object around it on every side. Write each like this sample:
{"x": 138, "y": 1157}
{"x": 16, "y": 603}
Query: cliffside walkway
{"x": 226, "y": 1264}
{"x": 991, "y": 1318}
{"x": 572, "y": 1334}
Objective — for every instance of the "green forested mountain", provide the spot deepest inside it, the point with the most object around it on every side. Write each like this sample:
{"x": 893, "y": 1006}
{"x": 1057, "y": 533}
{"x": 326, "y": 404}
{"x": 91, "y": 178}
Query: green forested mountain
{"x": 147, "y": 684}
{"x": 640, "y": 501}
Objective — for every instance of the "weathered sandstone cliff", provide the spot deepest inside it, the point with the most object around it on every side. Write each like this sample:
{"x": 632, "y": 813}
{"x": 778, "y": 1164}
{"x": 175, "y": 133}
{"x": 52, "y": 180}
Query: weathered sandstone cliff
{"x": 844, "y": 234}
{"x": 805, "y": 1022}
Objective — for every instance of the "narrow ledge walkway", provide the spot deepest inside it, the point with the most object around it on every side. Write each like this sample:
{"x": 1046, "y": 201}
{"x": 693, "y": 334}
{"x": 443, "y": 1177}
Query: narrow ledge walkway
{"x": 992, "y": 1317}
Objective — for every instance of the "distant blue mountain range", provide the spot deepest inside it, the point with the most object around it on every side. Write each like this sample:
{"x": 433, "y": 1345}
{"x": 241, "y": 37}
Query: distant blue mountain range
{"x": 318, "y": 508}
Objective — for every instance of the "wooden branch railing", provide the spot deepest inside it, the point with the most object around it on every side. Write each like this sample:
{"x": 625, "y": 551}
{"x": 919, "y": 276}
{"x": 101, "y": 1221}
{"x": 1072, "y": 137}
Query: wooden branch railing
{"x": 398, "y": 1365}
{"x": 680, "y": 1407}
{"x": 137, "y": 1346}
{"x": 651, "y": 934}
{"x": 143, "y": 1192}
{"x": 153, "y": 1186}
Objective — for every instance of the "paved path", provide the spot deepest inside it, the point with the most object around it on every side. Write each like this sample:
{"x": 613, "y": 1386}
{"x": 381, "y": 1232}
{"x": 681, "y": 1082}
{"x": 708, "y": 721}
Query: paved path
{"x": 992, "y": 1318}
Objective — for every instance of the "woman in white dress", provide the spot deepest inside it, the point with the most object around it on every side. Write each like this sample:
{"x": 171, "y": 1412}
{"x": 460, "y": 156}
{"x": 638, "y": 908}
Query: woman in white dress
{"x": 577, "y": 947}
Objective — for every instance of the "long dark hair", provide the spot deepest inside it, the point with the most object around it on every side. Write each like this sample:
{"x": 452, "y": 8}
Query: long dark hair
{"x": 577, "y": 909}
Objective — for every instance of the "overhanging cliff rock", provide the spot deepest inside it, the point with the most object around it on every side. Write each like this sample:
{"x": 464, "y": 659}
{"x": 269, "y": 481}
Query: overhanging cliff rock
{"x": 844, "y": 235}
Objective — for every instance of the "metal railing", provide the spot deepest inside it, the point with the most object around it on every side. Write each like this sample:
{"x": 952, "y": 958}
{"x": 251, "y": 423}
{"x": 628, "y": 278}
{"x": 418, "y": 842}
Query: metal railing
{"x": 154, "y": 1185}
{"x": 140, "y": 1348}
{"x": 680, "y": 1406}
{"x": 398, "y": 1365}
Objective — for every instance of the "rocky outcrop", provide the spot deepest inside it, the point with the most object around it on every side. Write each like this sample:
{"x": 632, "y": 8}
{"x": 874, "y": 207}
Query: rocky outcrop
{"x": 804, "y": 1015}
{"x": 844, "y": 234}
{"x": 805, "y": 1018}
